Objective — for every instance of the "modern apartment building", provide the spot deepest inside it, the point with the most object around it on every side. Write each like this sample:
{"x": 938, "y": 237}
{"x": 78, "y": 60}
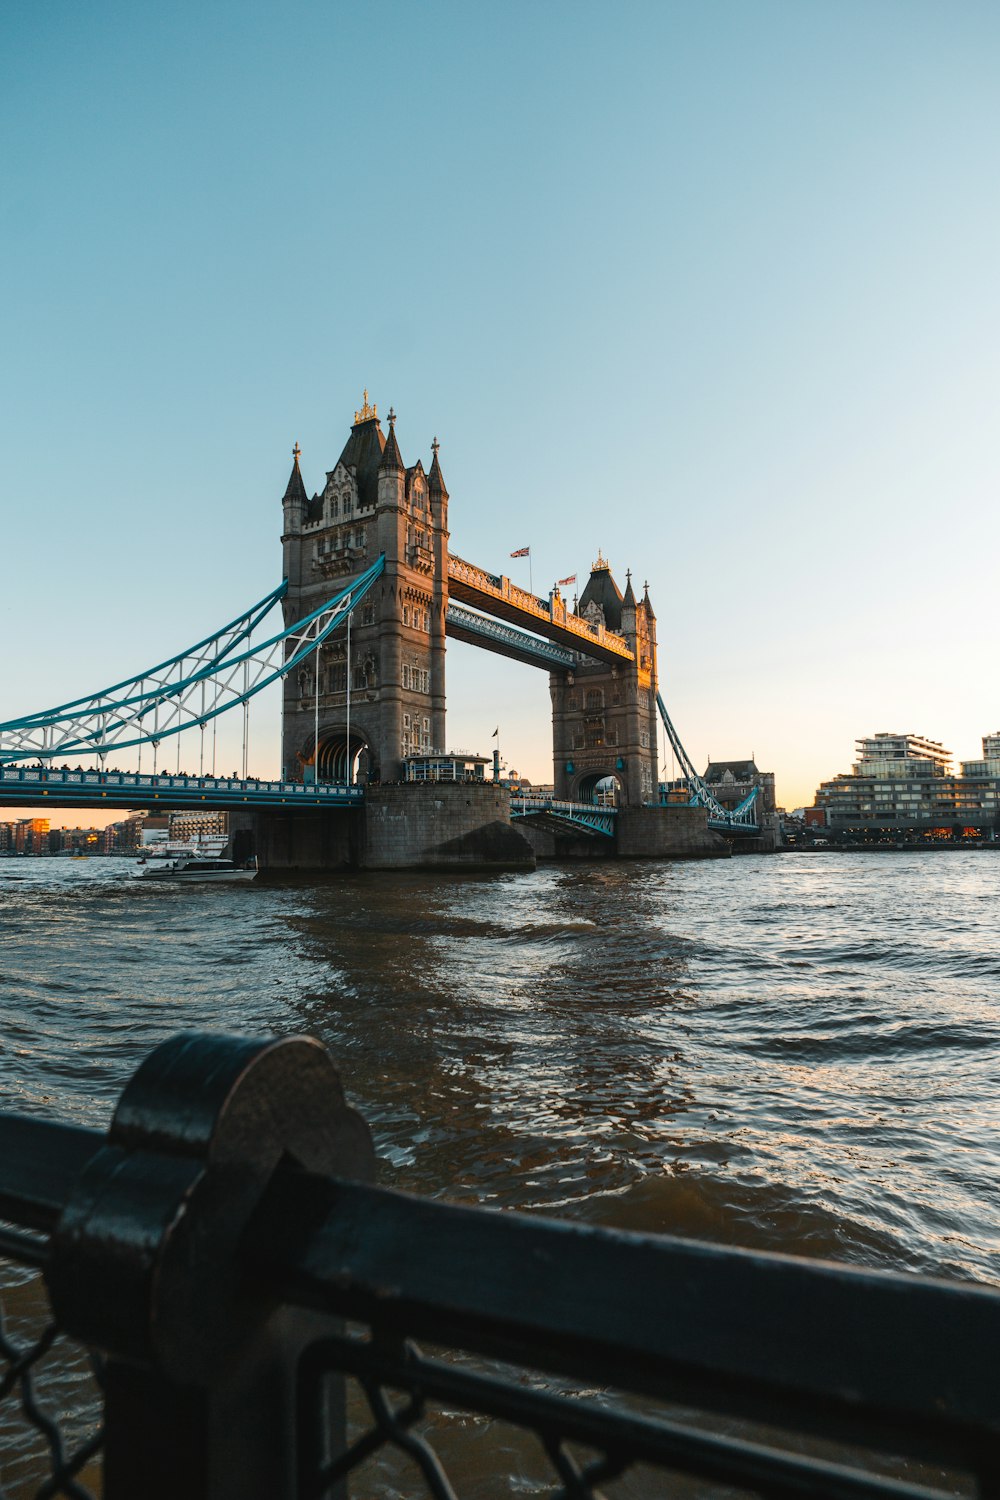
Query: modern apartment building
{"x": 904, "y": 782}
{"x": 196, "y": 825}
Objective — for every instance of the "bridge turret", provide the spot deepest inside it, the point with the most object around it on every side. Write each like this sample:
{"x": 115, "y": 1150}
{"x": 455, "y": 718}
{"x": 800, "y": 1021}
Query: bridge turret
{"x": 392, "y": 498}
{"x": 628, "y": 611}
{"x": 646, "y": 623}
{"x": 437, "y": 492}
{"x": 436, "y": 486}
{"x": 294, "y": 505}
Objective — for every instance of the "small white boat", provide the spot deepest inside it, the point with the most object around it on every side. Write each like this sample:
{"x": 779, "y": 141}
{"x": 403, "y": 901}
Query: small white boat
{"x": 194, "y": 866}
{"x": 194, "y": 861}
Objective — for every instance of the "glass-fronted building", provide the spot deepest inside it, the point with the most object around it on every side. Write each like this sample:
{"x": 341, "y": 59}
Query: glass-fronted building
{"x": 904, "y": 782}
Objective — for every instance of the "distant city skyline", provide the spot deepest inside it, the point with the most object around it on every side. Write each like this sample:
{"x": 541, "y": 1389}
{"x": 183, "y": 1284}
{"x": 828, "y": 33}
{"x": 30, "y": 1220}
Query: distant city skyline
{"x": 709, "y": 290}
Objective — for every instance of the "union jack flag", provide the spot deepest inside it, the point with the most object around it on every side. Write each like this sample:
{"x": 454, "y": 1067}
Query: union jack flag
{"x": 522, "y": 552}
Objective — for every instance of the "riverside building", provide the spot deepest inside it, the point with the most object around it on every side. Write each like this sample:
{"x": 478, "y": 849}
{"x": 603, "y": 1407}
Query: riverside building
{"x": 904, "y": 783}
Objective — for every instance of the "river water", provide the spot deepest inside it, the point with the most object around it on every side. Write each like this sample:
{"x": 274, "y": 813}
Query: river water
{"x": 795, "y": 1052}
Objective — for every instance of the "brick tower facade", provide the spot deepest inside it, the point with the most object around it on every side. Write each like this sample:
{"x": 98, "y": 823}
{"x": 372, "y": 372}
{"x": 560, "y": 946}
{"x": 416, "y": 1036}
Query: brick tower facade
{"x": 604, "y": 717}
{"x": 371, "y": 504}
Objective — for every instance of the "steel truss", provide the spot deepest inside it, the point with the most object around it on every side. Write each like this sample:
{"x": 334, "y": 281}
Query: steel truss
{"x": 583, "y": 816}
{"x": 744, "y": 817}
{"x": 186, "y": 692}
{"x": 508, "y": 640}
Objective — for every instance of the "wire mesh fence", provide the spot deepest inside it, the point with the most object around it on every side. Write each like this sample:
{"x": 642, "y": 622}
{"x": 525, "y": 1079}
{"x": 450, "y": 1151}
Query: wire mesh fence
{"x": 51, "y": 1430}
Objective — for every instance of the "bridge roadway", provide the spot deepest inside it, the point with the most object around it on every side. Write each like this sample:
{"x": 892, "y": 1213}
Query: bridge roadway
{"x": 31, "y": 787}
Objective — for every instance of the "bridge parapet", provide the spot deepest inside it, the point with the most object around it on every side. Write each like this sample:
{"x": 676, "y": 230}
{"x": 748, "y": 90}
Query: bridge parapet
{"x": 34, "y": 786}
{"x": 554, "y": 614}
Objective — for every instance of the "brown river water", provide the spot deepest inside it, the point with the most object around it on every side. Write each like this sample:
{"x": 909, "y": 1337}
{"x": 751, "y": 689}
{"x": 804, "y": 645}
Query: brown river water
{"x": 796, "y": 1052}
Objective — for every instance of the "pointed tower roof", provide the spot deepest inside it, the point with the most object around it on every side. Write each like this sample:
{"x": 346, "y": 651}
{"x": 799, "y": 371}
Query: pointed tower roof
{"x": 648, "y": 603}
{"x": 295, "y": 489}
{"x": 601, "y": 589}
{"x": 363, "y": 452}
{"x": 435, "y": 479}
{"x": 391, "y": 458}
{"x": 629, "y": 598}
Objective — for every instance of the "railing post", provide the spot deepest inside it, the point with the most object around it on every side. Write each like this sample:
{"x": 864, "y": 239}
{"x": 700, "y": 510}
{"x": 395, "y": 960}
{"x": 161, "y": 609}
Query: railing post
{"x": 202, "y": 1367}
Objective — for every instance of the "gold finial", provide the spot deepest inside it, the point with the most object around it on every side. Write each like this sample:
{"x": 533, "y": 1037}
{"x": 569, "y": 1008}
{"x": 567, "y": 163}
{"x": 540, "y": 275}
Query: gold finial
{"x": 367, "y": 412}
{"x": 296, "y": 454}
{"x": 601, "y": 565}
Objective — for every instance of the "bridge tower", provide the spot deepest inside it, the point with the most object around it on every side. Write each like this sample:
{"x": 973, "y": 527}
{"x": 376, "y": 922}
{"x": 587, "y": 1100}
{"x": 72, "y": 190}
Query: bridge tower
{"x": 604, "y": 717}
{"x": 371, "y": 503}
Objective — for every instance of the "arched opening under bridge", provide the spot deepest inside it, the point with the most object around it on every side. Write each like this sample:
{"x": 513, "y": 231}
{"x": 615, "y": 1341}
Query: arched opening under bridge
{"x": 602, "y": 788}
{"x": 335, "y": 763}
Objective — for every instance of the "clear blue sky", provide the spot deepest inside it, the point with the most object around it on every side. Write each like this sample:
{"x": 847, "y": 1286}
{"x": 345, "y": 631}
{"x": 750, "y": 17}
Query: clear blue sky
{"x": 712, "y": 287}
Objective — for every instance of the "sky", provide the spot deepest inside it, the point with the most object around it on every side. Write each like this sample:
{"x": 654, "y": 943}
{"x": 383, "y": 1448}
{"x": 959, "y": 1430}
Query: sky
{"x": 709, "y": 287}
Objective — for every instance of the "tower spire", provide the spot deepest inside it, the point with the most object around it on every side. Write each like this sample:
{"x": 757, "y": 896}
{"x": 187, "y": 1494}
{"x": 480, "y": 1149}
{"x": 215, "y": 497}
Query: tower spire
{"x": 435, "y": 479}
{"x": 295, "y": 489}
{"x": 629, "y": 596}
{"x": 391, "y": 457}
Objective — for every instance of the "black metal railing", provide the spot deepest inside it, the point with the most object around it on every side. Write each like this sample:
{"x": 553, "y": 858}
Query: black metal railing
{"x": 265, "y": 1322}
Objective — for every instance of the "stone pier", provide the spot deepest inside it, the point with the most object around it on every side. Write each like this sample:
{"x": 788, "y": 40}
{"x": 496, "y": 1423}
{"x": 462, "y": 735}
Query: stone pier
{"x": 400, "y": 827}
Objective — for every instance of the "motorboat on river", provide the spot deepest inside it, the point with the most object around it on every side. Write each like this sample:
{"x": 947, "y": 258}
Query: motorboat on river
{"x": 189, "y": 867}
{"x": 198, "y": 860}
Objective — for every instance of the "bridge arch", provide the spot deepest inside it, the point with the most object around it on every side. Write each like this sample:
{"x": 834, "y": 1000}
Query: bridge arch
{"x": 334, "y": 761}
{"x": 601, "y": 786}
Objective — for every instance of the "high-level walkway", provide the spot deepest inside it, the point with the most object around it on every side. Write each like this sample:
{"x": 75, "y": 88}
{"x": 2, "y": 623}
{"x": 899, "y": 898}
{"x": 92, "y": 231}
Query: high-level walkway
{"x": 498, "y": 596}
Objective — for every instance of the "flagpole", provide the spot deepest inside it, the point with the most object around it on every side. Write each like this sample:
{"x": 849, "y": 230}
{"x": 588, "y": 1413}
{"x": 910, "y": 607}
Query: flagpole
{"x": 531, "y": 584}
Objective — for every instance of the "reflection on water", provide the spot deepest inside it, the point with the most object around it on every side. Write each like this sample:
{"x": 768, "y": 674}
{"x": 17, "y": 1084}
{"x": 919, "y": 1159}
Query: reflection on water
{"x": 794, "y": 1052}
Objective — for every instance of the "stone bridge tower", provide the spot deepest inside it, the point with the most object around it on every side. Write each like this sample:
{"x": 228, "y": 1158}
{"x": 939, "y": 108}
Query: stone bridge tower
{"x": 604, "y": 717}
{"x": 371, "y": 504}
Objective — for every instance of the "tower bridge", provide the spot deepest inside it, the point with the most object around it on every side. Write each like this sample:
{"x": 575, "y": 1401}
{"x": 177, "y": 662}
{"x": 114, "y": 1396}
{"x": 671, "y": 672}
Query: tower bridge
{"x": 371, "y": 591}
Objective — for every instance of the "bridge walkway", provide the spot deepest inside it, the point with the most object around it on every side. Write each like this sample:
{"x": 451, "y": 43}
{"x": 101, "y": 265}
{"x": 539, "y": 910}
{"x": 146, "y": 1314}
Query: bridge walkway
{"x": 494, "y": 595}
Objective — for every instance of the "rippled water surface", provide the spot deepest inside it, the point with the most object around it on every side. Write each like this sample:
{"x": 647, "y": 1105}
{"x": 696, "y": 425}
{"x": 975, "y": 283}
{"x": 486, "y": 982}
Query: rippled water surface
{"x": 796, "y": 1052}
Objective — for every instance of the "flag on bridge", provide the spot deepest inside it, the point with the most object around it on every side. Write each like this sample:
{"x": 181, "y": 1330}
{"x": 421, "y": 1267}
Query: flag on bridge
{"x": 522, "y": 552}
{"x": 495, "y": 733}
{"x": 570, "y": 579}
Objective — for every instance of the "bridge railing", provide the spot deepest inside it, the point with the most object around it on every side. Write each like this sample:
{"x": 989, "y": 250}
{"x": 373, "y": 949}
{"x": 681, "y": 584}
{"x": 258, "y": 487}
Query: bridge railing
{"x": 554, "y": 804}
{"x": 40, "y": 777}
{"x": 252, "y": 1305}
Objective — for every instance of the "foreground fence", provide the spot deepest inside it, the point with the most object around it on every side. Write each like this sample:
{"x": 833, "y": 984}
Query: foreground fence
{"x": 258, "y": 1317}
